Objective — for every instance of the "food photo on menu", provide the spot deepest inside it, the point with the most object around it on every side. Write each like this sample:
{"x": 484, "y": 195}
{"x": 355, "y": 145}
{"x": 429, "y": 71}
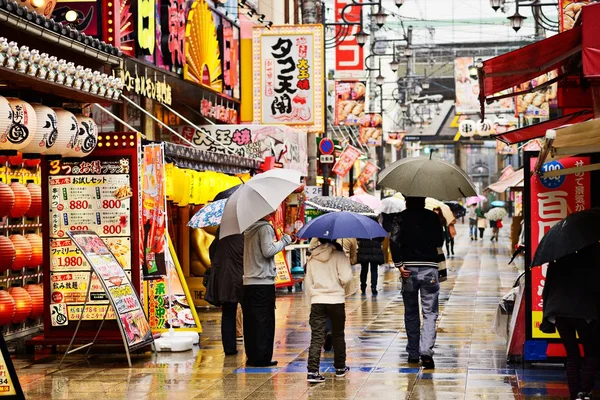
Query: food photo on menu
{"x": 179, "y": 311}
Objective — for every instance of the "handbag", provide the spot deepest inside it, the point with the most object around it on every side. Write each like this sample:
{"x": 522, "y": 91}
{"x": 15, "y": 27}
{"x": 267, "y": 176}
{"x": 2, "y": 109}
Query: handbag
{"x": 209, "y": 288}
{"x": 452, "y": 230}
{"x": 499, "y": 224}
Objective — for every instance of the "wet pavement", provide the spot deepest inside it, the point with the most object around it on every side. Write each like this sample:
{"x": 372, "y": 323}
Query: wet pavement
{"x": 470, "y": 359}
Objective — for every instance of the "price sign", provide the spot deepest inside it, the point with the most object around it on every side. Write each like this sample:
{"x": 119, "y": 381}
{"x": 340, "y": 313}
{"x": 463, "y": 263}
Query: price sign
{"x": 10, "y": 387}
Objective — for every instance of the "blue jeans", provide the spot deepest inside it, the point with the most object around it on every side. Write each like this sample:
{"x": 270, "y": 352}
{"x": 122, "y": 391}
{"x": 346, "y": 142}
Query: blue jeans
{"x": 473, "y": 228}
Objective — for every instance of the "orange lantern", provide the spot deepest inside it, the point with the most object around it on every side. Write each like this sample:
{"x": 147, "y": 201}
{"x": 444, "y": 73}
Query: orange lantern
{"x": 7, "y": 307}
{"x": 30, "y": 163}
{"x": 37, "y": 300}
{"x": 36, "y": 250}
{"x": 7, "y": 199}
{"x": 35, "y": 210}
{"x": 23, "y": 250}
{"x": 7, "y": 249}
{"x": 16, "y": 160}
{"x": 22, "y": 301}
{"x": 22, "y": 200}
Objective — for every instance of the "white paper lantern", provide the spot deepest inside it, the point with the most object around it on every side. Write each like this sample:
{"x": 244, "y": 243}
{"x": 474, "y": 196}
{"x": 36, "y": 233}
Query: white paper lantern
{"x": 22, "y": 129}
{"x": 67, "y": 132}
{"x": 86, "y": 139}
{"x": 46, "y": 130}
{"x": 467, "y": 128}
{"x": 6, "y": 116}
{"x": 485, "y": 127}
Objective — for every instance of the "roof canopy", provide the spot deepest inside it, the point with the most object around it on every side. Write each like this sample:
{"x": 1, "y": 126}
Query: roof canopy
{"x": 514, "y": 180}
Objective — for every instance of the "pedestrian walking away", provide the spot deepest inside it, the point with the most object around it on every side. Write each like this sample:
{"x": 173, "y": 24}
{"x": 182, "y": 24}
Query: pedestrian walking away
{"x": 481, "y": 222}
{"x": 415, "y": 240}
{"x": 328, "y": 280}
{"x": 472, "y": 222}
{"x": 258, "y": 304}
{"x": 370, "y": 257}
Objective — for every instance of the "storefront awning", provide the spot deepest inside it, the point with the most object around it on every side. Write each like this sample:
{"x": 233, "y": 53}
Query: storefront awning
{"x": 514, "y": 180}
{"x": 539, "y": 130}
{"x": 200, "y": 160}
{"x": 576, "y": 139}
{"x": 590, "y": 18}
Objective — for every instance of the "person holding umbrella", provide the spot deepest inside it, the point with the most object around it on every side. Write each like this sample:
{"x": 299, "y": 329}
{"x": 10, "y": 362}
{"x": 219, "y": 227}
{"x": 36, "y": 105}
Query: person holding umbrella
{"x": 370, "y": 257}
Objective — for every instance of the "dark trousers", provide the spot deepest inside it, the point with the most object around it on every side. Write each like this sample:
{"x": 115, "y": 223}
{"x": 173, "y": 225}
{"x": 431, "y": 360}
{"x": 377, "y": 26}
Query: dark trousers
{"x": 318, "y": 319}
{"x": 581, "y": 374}
{"x": 449, "y": 244}
{"x": 481, "y": 230}
{"x": 258, "y": 307}
{"x": 228, "y": 328}
{"x": 364, "y": 271}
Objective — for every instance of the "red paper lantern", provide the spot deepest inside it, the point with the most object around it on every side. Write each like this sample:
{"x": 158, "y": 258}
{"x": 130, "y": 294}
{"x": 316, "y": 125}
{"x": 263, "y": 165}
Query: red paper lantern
{"x": 30, "y": 163}
{"x": 23, "y": 250}
{"x": 22, "y": 200}
{"x": 7, "y": 249}
{"x": 37, "y": 257}
{"x": 16, "y": 160}
{"x": 7, "y": 199}
{"x": 7, "y": 307}
{"x": 37, "y": 300}
{"x": 22, "y": 303}
{"x": 35, "y": 210}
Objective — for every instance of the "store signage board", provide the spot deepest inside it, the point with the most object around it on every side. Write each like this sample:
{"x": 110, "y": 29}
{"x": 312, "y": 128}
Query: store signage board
{"x": 349, "y": 55}
{"x": 365, "y": 175}
{"x": 346, "y": 161}
{"x": 283, "y": 277}
{"x": 313, "y": 191}
{"x": 552, "y": 199}
{"x": 327, "y": 159}
{"x": 123, "y": 298}
{"x": 350, "y": 99}
{"x": 10, "y": 387}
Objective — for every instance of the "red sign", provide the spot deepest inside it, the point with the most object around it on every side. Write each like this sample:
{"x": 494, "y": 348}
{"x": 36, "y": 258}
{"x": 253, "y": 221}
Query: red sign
{"x": 366, "y": 174}
{"x": 552, "y": 199}
{"x": 348, "y": 54}
{"x": 326, "y": 146}
{"x": 346, "y": 161}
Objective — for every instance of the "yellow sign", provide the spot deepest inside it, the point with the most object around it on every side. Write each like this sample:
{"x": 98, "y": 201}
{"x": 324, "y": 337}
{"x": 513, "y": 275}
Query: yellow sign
{"x": 6, "y": 385}
{"x": 149, "y": 87}
{"x": 146, "y": 32}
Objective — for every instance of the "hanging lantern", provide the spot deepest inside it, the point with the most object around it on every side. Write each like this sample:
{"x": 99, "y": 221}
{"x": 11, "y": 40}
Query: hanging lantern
{"x": 37, "y": 300}
{"x": 485, "y": 127}
{"x": 37, "y": 257}
{"x": 22, "y": 200}
{"x": 35, "y": 210}
{"x": 7, "y": 249}
{"x": 16, "y": 160}
{"x": 86, "y": 139}
{"x": 6, "y": 116}
{"x": 22, "y": 130}
{"x": 7, "y": 199}
{"x": 22, "y": 301}
{"x": 467, "y": 128}
{"x": 7, "y": 307}
{"x": 46, "y": 130}
{"x": 67, "y": 131}
{"x": 23, "y": 252}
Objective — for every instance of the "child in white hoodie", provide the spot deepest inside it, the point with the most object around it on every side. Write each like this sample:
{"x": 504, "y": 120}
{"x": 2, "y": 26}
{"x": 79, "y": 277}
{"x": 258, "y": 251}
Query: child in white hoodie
{"x": 328, "y": 279}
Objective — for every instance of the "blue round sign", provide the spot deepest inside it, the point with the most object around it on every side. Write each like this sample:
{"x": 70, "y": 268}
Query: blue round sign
{"x": 552, "y": 182}
{"x": 326, "y": 146}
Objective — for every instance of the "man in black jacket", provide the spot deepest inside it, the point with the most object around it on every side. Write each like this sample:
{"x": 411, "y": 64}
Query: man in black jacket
{"x": 416, "y": 236}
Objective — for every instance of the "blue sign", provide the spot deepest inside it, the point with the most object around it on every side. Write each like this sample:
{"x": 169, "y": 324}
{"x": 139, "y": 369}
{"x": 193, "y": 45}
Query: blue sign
{"x": 326, "y": 146}
{"x": 552, "y": 182}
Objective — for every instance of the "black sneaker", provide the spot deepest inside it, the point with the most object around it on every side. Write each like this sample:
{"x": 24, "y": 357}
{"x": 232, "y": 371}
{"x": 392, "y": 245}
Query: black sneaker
{"x": 427, "y": 362}
{"x": 315, "y": 377}
{"x": 413, "y": 359}
{"x": 341, "y": 372}
{"x": 584, "y": 396}
{"x": 374, "y": 291}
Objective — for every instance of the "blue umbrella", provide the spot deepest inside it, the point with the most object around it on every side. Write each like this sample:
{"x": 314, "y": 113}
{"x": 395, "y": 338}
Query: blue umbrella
{"x": 340, "y": 225}
{"x": 209, "y": 215}
{"x": 498, "y": 203}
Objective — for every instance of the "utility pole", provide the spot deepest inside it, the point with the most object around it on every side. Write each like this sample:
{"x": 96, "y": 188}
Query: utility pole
{"x": 325, "y": 167}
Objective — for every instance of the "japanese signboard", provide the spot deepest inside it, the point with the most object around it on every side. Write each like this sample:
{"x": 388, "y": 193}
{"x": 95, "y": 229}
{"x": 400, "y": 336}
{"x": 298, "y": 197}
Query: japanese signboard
{"x": 349, "y": 55}
{"x": 349, "y": 102}
{"x": 537, "y": 104}
{"x": 283, "y": 270}
{"x": 10, "y": 387}
{"x": 371, "y": 130}
{"x": 346, "y": 161}
{"x": 288, "y": 76}
{"x": 117, "y": 286}
{"x": 569, "y": 10}
{"x": 286, "y": 144}
{"x": 365, "y": 175}
{"x": 552, "y": 199}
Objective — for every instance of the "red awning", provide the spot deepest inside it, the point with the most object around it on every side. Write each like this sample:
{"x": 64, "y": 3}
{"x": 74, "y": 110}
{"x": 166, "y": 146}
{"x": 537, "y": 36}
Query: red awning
{"x": 590, "y": 20}
{"x": 539, "y": 130}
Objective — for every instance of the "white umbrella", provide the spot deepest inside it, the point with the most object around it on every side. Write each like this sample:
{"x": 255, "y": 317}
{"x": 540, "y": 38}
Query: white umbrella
{"x": 392, "y": 205}
{"x": 430, "y": 204}
{"x": 256, "y": 198}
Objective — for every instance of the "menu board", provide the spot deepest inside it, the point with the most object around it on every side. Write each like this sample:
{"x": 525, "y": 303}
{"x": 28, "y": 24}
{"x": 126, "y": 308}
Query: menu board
{"x": 117, "y": 286}
{"x": 91, "y": 196}
{"x": 10, "y": 387}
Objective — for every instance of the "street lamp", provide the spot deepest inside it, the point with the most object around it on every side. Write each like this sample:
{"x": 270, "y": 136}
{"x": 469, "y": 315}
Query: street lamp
{"x": 380, "y": 17}
{"x": 425, "y": 84}
{"x": 394, "y": 65}
{"x": 496, "y": 4}
{"x": 361, "y": 37}
{"x": 380, "y": 80}
{"x": 398, "y": 3}
{"x": 408, "y": 52}
{"x": 516, "y": 21}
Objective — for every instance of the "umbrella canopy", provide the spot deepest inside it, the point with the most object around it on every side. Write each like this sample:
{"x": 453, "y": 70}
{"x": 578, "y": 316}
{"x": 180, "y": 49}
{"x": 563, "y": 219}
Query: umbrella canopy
{"x": 426, "y": 177}
{"x": 498, "y": 203}
{"x": 430, "y": 204}
{"x": 392, "y": 205}
{"x": 368, "y": 200}
{"x": 399, "y": 196}
{"x": 225, "y": 194}
{"x": 339, "y": 203}
{"x": 209, "y": 215}
{"x": 475, "y": 199}
{"x": 458, "y": 210}
{"x": 496, "y": 214}
{"x": 257, "y": 198}
{"x": 568, "y": 236}
{"x": 342, "y": 225}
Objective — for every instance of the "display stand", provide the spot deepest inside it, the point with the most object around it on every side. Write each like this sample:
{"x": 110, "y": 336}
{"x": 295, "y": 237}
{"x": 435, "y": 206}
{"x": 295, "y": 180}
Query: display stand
{"x": 10, "y": 387}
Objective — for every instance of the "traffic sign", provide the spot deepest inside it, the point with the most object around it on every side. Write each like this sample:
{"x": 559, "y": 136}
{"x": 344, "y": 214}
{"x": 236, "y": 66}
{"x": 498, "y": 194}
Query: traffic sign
{"x": 327, "y": 159}
{"x": 326, "y": 146}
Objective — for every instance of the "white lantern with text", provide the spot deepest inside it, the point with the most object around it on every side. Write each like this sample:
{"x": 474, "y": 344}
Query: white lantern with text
{"x": 46, "y": 130}
{"x": 6, "y": 117}
{"x": 467, "y": 128}
{"x": 86, "y": 139}
{"x": 485, "y": 127}
{"x": 22, "y": 129}
{"x": 67, "y": 132}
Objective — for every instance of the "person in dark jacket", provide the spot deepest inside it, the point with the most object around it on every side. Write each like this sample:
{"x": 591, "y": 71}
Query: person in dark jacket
{"x": 227, "y": 260}
{"x": 571, "y": 305}
{"x": 417, "y": 233}
{"x": 370, "y": 257}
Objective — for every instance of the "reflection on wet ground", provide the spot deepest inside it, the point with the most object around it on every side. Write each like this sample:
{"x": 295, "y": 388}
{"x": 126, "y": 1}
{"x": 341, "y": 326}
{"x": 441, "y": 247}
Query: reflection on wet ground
{"x": 470, "y": 360}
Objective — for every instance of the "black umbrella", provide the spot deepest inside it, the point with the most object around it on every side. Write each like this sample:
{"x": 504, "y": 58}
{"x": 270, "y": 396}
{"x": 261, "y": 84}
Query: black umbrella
{"x": 458, "y": 210}
{"x": 225, "y": 194}
{"x": 568, "y": 236}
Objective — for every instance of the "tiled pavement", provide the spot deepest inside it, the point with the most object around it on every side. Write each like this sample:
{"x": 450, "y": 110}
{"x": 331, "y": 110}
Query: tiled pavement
{"x": 470, "y": 360}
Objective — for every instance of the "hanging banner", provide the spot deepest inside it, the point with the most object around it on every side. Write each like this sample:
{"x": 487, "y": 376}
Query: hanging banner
{"x": 154, "y": 206}
{"x": 552, "y": 199}
{"x": 371, "y": 130}
{"x": 569, "y": 11}
{"x": 349, "y": 56}
{"x": 365, "y": 175}
{"x": 283, "y": 270}
{"x": 537, "y": 104}
{"x": 288, "y": 76}
{"x": 349, "y": 102}
{"x": 346, "y": 161}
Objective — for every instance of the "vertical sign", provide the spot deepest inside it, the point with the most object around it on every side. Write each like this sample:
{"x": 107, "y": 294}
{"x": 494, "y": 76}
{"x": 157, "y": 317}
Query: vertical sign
{"x": 348, "y": 54}
{"x": 288, "y": 76}
{"x": 146, "y": 26}
{"x": 569, "y": 11}
{"x": 552, "y": 199}
{"x": 349, "y": 102}
{"x": 366, "y": 174}
{"x": 283, "y": 270}
{"x": 173, "y": 29}
{"x": 371, "y": 130}
{"x": 10, "y": 387}
{"x": 346, "y": 161}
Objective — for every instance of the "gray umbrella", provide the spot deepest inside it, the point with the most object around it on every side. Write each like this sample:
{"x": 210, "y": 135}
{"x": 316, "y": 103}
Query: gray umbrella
{"x": 426, "y": 177}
